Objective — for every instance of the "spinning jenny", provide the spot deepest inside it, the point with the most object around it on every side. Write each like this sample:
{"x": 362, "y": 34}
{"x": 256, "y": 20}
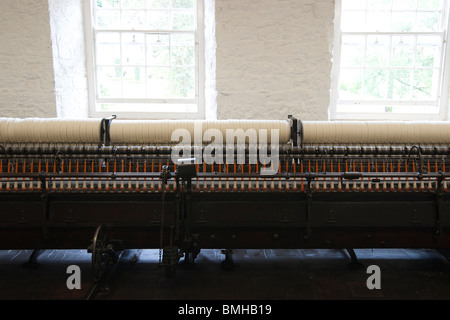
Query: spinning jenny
{"x": 109, "y": 185}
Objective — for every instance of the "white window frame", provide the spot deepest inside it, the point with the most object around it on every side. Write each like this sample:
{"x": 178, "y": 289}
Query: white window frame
{"x": 199, "y": 99}
{"x": 443, "y": 91}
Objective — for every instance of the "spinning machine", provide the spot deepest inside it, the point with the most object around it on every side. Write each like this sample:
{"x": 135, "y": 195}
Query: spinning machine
{"x": 110, "y": 184}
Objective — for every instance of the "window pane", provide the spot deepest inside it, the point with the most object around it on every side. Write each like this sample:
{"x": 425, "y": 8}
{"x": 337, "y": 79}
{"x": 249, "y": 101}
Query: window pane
{"x": 402, "y": 21}
{"x": 423, "y": 84}
{"x": 353, "y": 20}
{"x": 400, "y": 84}
{"x": 378, "y": 21}
{"x": 427, "y": 56}
{"x": 133, "y": 82}
{"x": 404, "y": 4}
{"x": 133, "y": 49}
{"x": 402, "y": 51}
{"x": 109, "y": 80}
{"x": 183, "y": 49}
{"x": 353, "y": 5}
{"x": 350, "y": 84}
{"x": 183, "y": 20}
{"x": 107, "y": 3}
{"x": 183, "y": 82}
{"x": 158, "y": 19}
{"x": 378, "y": 4}
{"x": 108, "y": 48}
{"x": 427, "y": 21}
{"x": 133, "y": 4}
{"x": 352, "y": 51}
{"x": 158, "y": 50}
{"x": 182, "y": 3}
{"x": 108, "y": 19}
{"x": 375, "y": 83}
{"x": 158, "y": 4}
{"x": 428, "y": 51}
{"x": 158, "y": 83}
{"x": 133, "y": 19}
{"x": 183, "y": 56}
{"x": 430, "y": 4}
{"x": 377, "y": 54}
{"x": 429, "y": 40}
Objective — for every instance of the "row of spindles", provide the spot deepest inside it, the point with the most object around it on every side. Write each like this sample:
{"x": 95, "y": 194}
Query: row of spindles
{"x": 85, "y": 166}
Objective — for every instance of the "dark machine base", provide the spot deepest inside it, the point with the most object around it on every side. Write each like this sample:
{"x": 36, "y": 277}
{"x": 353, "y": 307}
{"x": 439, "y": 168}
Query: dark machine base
{"x": 234, "y": 220}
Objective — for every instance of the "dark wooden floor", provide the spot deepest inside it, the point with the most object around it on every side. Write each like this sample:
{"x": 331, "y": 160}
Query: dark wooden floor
{"x": 257, "y": 275}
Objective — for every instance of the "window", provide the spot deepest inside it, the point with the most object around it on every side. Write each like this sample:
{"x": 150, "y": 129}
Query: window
{"x": 390, "y": 60}
{"x": 145, "y": 58}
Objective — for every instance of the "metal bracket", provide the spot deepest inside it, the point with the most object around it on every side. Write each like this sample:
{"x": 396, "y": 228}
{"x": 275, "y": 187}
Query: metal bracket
{"x": 105, "y": 138}
{"x": 186, "y": 171}
{"x": 296, "y": 131}
{"x": 165, "y": 175}
{"x": 422, "y": 169}
{"x": 171, "y": 256}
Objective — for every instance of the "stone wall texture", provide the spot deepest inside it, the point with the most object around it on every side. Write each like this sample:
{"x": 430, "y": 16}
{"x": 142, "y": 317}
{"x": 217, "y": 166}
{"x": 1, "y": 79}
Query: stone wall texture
{"x": 27, "y": 87}
{"x": 274, "y": 58}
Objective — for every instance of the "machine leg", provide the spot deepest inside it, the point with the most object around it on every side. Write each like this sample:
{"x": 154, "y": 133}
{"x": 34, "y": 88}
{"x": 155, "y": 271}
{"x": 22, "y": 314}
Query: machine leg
{"x": 354, "y": 264}
{"x": 190, "y": 256}
{"x": 228, "y": 263}
{"x": 32, "y": 261}
{"x": 171, "y": 256}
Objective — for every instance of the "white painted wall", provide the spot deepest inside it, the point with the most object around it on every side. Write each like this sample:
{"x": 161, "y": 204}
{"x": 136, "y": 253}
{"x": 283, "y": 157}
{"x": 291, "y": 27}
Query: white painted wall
{"x": 27, "y": 88}
{"x": 69, "y": 62}
{"x": 210, "y": 60}
{"x": 274, "y": 58}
